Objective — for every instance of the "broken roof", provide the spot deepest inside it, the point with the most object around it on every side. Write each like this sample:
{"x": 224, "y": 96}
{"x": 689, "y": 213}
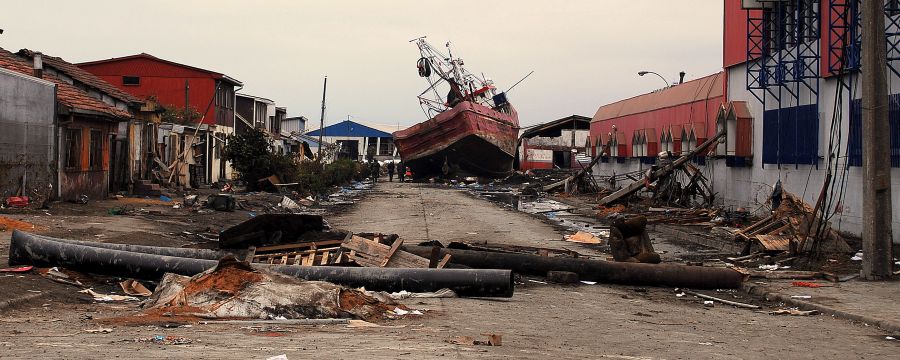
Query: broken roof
{"x": 82, "y": 76}
{"x": 580, "y": 122}
{"x": 704, "y": 88}
{"x": 68, "y": 96}
{"x": 154, "y": 58}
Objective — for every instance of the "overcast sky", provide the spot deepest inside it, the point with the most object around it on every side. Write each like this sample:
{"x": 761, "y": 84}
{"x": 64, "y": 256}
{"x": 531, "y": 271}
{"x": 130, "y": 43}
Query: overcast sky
{"x": 584, "y": 53}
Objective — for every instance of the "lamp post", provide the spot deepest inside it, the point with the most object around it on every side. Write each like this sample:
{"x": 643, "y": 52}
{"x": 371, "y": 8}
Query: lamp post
{"x": 642, "y": 73}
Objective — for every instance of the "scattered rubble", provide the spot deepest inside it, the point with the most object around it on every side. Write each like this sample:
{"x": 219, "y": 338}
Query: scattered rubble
{"x": 233, "y": 289}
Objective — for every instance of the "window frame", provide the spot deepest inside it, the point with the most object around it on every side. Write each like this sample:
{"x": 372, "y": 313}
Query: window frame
{"x": 72, "y": 146}
{"x": 127, "y": 83}
{"x": 95, "y": 155}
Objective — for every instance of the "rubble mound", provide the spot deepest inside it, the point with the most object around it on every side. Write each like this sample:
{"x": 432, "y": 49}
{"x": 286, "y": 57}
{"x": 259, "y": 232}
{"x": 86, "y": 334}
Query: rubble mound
{"x": 233, "y": 289}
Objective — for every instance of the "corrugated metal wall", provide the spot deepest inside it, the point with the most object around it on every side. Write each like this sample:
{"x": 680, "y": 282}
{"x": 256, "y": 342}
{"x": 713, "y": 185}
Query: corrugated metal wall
{"x": 27, "y": 109}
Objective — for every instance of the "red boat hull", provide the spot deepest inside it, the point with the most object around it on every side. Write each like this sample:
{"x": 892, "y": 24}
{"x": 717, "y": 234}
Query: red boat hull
{"x": 470, "y": 138}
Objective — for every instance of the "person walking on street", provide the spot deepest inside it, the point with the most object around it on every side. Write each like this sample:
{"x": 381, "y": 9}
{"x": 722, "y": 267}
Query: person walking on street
{"x": 390, "y": 169}
{"x": 374, "y": 170}
{"x": 401, "y": 171}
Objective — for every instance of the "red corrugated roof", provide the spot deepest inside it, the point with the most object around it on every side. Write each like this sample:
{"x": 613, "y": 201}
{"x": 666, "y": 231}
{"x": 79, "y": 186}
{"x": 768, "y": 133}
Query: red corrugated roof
{"x": 215, "y": 74}
{"x": 708, "y": 87}
{"x": 82, "y": 76}
{"x": 66, "y": 95}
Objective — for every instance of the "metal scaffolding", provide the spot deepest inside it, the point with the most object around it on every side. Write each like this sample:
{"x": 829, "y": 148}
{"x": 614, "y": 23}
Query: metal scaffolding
{"x": 782, "y": 50}
{"x": 783, "y": 62}
{"x": 845, "y": 18}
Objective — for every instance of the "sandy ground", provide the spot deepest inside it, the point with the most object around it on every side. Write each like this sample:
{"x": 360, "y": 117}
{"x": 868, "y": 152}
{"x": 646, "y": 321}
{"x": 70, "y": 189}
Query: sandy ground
{"x": 540, "y": 321}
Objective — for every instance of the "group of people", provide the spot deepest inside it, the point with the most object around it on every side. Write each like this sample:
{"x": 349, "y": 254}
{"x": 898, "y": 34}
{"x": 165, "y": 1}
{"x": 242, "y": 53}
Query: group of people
{"x": 399, "y": 168}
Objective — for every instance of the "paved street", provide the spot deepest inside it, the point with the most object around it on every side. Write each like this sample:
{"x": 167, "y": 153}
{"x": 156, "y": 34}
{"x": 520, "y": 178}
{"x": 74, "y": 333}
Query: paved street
{"x": 541, "y": 321}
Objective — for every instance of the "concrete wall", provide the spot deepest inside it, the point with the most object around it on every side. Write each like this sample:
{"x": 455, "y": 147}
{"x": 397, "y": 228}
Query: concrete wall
{"x": 27, "y": 110}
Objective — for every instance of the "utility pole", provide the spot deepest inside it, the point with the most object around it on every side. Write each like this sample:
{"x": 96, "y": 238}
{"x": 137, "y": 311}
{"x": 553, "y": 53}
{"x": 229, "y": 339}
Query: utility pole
{"x": 877, "y": 234}
{"x": 322, "y": 120}
{"x": 187, "y": 121}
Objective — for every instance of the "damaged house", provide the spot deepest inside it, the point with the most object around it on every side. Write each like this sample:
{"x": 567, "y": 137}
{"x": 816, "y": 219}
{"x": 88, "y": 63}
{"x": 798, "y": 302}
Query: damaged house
{"x": 261, "y": 113}
{"x": 27, "y": 113}
{"x": 555, "y": 145}
{"x": 189, "y": 146}
{"x": 90, "y": 114}
{"x": 296, "y": 142}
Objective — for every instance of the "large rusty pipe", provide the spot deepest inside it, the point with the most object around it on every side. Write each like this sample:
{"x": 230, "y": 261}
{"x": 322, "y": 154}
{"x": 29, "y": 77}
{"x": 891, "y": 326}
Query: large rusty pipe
{"x": 155, "y": 250}
{"x": 27, "y": 249}
{"x": 696, "y": 277}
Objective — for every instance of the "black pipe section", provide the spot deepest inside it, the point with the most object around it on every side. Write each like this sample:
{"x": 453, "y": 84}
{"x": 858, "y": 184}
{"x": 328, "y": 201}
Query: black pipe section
{"x": 27, "y": 249}
{"x": 155, "y": 250}
{"x": 625, "y": 273}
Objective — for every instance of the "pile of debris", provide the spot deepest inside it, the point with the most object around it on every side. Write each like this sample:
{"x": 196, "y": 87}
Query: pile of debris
{"x": 233, "y": 289}
{"x": 792, "y": 227}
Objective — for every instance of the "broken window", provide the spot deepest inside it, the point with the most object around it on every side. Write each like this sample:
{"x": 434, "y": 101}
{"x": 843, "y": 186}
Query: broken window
{"x": 95, "y": 159}
{"x": 72, "y": 154}
{"x": 131, "y": 80}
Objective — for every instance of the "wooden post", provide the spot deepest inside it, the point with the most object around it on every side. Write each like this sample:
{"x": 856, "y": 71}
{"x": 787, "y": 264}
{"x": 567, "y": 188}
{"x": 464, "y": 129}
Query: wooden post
{"x": 876, "y": 132}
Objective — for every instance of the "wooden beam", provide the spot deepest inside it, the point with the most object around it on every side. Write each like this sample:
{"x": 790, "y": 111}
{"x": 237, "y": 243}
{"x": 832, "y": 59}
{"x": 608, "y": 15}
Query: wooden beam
{"x": 444, "y": 261}
{"x": 637, "y": 185}
{"x": 394, "y": 247}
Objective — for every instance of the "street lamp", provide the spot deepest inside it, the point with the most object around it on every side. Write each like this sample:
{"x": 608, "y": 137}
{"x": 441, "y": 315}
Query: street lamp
{"x": 642, "y": 73}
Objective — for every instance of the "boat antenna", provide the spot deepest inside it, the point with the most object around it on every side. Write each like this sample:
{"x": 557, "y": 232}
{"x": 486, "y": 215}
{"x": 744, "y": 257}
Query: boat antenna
{"x": 517, "y": 82}
{"x": 449, "y": 50}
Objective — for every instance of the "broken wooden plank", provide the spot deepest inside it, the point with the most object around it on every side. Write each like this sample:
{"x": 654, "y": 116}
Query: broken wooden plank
{"x": 797, "y": 275}
{"x": 729, "y": 302}
{"x": 775, "y": 242}
{"x": 668, "y": 169}
{"x": 444, "y": 261}
{"x": 394, "y": 247}
{"x": 370, "y": 253}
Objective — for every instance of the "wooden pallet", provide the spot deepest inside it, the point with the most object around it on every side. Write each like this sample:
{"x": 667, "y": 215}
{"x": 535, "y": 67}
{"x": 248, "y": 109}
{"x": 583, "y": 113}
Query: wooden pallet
{"x": 316, "y": 253}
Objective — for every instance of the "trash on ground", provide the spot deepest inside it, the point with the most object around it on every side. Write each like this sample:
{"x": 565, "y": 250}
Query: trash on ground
{"x": 793, "y": 312}
{"x": 165, "y": 340}
{"x": 491, "y": 340}
{"x": 134, "y": 288}
{"x": 101, "y": 330}
{"x": 584, "y": 238}
{"x": 108, "y": 297}
{"x": 270, "y": 229}
{"x": 235, "y": 290}
{"x": 17, "y": 269}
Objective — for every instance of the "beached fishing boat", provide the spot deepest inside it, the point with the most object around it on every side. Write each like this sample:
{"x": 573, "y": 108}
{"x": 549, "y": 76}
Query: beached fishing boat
{"x": 472, "y": 130}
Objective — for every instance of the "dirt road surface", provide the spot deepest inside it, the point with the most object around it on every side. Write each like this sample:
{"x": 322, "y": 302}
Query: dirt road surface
{"x": 540, "y": 321}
